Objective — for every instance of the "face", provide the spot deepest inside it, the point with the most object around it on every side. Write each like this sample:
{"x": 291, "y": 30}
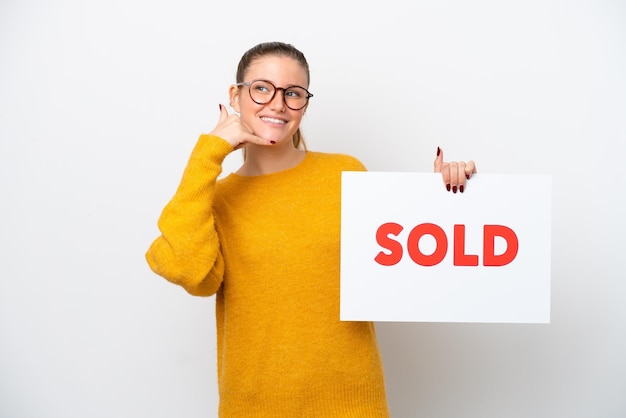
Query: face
{"x": 272, "y": 120}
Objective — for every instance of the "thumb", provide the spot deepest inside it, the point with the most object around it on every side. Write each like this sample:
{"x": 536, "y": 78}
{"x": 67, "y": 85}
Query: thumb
{"x": 223, "y": 113}
{"x": 438, "y": 160}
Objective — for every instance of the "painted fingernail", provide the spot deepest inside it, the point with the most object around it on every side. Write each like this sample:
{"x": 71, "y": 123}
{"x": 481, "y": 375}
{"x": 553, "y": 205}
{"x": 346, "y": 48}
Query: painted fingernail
{"x": 467, "y": 176}
{"x": 453, "y": 189}
{"x": 461, "y": 188}
{"x": 220, "y": 107}
{"x": 438, "y": 151}
{"x": 272, "y": 142}
{"x": 448, "y": 187}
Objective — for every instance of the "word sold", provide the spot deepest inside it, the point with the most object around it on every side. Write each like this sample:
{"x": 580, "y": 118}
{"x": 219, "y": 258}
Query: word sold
{"x": 387, "y": 233}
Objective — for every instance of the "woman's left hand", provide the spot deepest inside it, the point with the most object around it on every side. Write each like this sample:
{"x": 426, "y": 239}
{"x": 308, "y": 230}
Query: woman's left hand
{"x": 454, "y": 173}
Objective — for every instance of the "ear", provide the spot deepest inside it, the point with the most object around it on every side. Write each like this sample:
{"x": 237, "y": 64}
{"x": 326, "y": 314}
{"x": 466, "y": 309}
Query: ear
{"x": 234, "y": 94}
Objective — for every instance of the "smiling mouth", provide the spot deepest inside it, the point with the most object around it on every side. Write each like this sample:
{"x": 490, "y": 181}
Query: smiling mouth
{"x": 273, "y": 120}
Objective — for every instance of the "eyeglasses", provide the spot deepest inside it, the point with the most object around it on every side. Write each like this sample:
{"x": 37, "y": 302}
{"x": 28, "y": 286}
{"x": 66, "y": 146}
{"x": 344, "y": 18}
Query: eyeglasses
{"x": 263, "y": 92}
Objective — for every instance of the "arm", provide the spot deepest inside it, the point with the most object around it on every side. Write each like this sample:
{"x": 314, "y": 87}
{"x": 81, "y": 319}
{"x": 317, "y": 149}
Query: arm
{"x": 187, "y": 252}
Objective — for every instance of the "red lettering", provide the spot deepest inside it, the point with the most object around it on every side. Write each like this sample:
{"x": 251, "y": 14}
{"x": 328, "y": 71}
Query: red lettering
{"x": 395, "y": 248}
{"x": 512, "y": 245}
{"x": 460, "y": 258}
{"x": 413, "y": 244}
{"x": 394, "y": 252}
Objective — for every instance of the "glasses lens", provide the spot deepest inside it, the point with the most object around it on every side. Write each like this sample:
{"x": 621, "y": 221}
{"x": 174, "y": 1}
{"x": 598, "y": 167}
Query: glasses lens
{"x": 295, "y": 97}
{"x": 262, "y": 91}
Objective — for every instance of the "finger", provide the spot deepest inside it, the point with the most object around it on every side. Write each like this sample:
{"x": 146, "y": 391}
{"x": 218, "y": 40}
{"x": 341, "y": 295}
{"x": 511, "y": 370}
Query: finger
{"x": 461, "y": 176}
{"x": 445, "y": 175}
{"x": 454, "y": 176}
{"x": 249, "y": 138}
{"x": 223, "y": 113}
{"x": 438, "y": 160}
{"x": 470, "y": 169}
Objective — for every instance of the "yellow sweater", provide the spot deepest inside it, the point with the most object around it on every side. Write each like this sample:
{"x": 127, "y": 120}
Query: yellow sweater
{"x": 269, "y": 247}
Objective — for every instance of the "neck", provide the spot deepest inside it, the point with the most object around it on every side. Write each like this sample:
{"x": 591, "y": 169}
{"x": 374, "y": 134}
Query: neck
{"x": 269, "y": 159}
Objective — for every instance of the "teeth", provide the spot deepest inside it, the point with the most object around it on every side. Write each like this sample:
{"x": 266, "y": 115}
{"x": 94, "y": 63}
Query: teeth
{"x": 282, "y": 122}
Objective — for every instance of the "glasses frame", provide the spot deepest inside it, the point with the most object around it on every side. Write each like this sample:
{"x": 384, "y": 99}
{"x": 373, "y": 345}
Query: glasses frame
{"x": 284, "y": 89}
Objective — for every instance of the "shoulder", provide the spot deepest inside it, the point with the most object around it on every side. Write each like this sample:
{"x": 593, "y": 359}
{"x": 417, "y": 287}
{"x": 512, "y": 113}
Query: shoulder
{"x": 342, "y": 162}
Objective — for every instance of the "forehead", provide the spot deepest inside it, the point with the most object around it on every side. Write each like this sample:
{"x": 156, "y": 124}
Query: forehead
{"x": 278, "y": 69}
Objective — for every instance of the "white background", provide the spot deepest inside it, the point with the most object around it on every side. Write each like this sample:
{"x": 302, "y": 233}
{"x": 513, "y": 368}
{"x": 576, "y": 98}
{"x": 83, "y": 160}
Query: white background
{"x": 102, "y": 101}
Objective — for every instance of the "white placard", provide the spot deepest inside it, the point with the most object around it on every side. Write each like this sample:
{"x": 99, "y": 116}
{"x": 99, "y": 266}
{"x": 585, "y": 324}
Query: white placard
{"x": 412, "y": 251}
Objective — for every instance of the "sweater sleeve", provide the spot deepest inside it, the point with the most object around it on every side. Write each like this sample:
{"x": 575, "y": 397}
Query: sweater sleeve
{"x": 187, "y": 252}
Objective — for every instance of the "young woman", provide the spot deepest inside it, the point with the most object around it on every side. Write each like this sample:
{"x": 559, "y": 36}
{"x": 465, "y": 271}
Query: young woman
{"x": 265, "y": 240}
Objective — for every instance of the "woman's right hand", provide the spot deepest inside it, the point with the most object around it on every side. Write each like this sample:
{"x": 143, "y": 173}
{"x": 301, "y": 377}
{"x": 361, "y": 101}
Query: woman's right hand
{"x": 232, "y": 129}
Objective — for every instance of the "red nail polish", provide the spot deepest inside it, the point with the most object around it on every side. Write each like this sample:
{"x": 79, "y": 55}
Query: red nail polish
{"x": 461, "y": 188}
{"x": 220, "y": 107}
{"x": 453, "y": 189}
{"x": 448, "y": 187}
{"x": 272, "y": 142}
{"x": 438, "y": 151}
{"x": 467, "y": 176}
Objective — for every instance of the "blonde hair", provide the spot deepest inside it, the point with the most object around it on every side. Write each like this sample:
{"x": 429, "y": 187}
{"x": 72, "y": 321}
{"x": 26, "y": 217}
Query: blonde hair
{"x": 280, "y": 49}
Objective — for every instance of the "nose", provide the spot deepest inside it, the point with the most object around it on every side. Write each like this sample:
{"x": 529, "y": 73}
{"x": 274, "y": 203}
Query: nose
{"x": 278, "y": 101}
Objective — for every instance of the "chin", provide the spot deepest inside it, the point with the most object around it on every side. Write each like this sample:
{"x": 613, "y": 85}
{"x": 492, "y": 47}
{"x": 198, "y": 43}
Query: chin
{"x": 272, "y": 136}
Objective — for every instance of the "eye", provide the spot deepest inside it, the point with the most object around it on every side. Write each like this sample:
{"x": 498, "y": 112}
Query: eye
{"x": 294, "y": 93}
{"x": 262, "y": 87}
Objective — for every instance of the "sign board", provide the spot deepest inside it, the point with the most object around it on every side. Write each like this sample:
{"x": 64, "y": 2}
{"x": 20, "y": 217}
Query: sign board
{"x": 412, "y": 251}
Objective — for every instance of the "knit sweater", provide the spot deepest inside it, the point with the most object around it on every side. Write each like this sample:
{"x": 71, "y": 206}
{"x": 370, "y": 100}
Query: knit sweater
{"x": 268, "y": 247}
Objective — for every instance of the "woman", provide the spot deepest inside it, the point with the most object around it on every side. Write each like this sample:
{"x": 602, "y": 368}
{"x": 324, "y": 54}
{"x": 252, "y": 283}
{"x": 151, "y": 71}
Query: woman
{"x": 265, "y": 240}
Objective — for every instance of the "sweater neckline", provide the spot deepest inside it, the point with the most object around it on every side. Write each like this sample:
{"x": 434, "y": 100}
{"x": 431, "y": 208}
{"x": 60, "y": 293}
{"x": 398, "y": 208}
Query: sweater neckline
{"x": 288, "y": 171}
